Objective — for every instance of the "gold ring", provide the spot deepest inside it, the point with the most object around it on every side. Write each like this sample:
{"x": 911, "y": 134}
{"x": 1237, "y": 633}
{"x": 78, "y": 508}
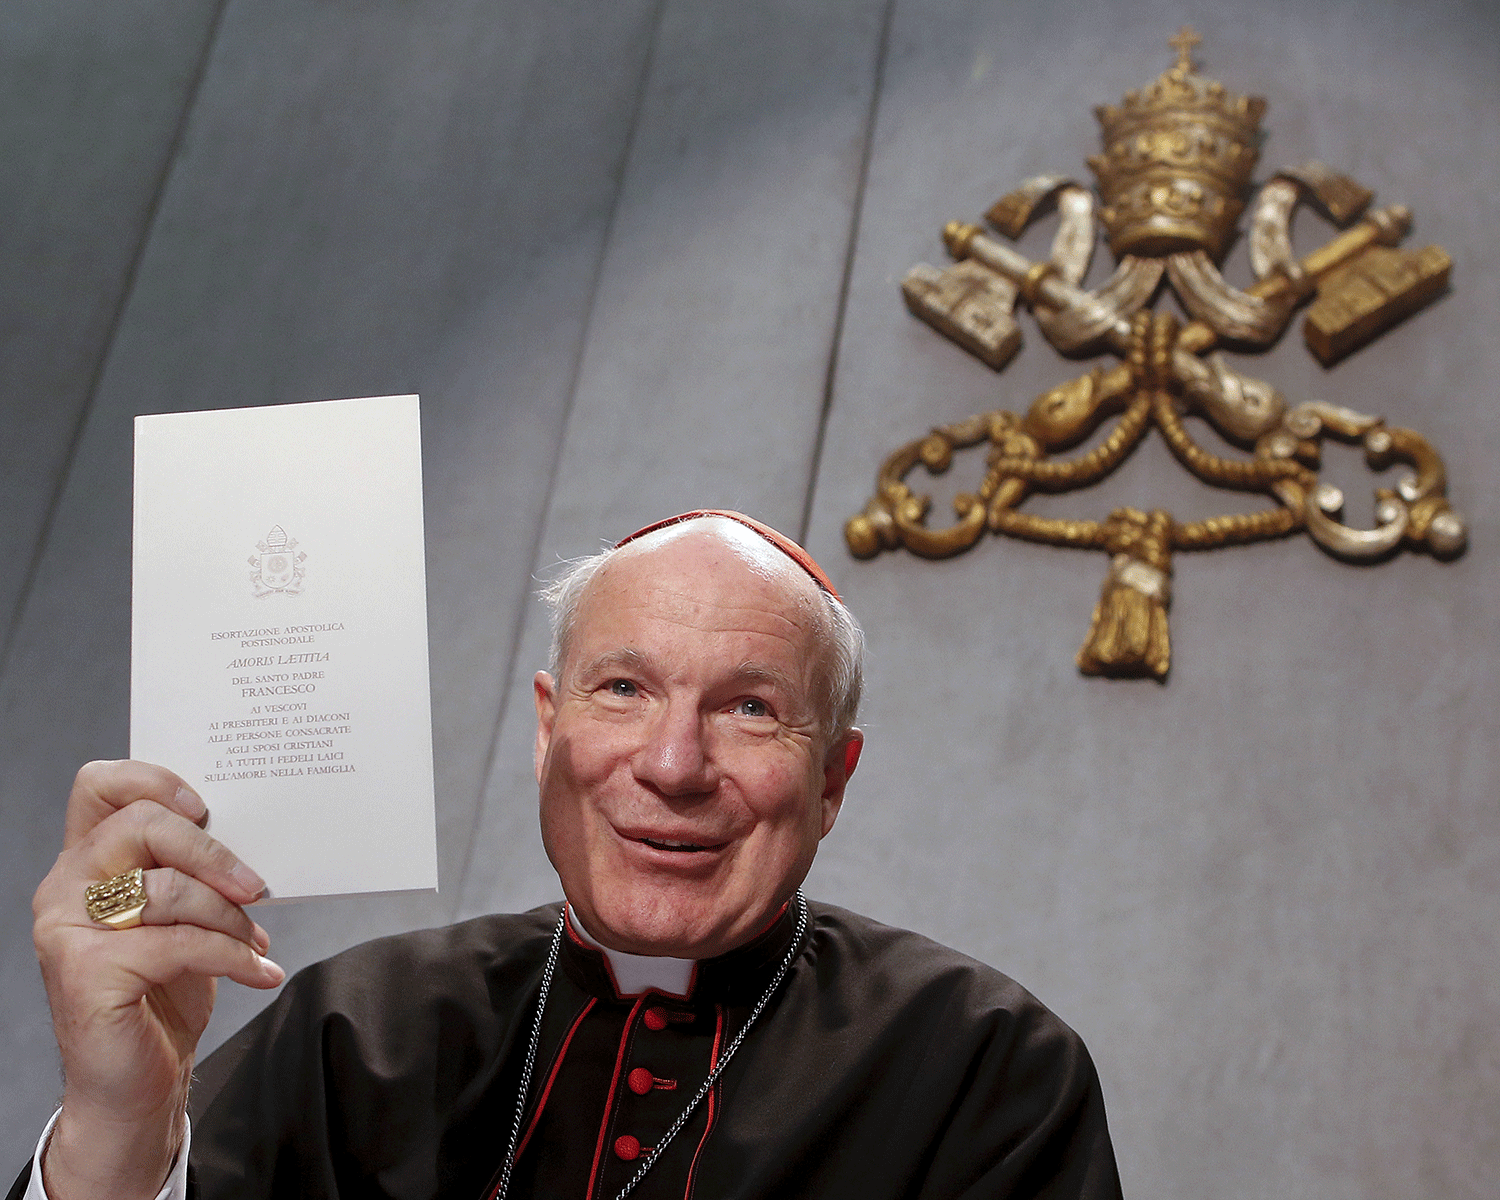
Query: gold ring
{"x": 117, "y": 902}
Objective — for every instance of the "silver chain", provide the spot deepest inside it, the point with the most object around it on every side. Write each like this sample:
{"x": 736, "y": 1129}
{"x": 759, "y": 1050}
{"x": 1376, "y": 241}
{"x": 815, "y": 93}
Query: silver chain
{"x": 713, "y": 1076}
{"x": 536, "y": 1038}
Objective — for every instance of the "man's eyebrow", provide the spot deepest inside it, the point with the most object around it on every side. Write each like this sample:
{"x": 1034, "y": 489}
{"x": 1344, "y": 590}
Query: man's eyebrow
{"x": 625, "y": 659}
{"x": 754, "y": 672}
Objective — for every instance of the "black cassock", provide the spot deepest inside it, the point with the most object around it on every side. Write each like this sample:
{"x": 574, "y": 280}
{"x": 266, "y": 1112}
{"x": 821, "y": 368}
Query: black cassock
{"x": 885, "y": 1066}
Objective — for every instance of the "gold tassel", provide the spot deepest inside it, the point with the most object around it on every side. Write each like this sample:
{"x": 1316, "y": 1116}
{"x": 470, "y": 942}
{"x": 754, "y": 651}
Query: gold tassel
{"x": 1128, "y": 635}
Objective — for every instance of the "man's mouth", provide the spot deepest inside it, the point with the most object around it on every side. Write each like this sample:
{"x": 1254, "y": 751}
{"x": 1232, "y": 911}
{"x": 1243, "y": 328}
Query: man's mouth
{"x": 679, "y": 847}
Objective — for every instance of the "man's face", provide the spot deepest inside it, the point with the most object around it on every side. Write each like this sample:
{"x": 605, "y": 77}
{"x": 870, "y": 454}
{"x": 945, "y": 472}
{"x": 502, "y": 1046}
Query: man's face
{"x": 685, "y": 775}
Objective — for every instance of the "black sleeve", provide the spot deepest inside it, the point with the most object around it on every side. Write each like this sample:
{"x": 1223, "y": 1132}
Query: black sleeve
{"x": 374, "y": 1073}
{"x": 1040, "y": 1110}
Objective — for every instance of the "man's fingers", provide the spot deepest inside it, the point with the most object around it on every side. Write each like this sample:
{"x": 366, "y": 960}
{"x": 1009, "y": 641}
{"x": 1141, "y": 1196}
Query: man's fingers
{"x": 103, "y": 788}
{"x": 118, "y": 967}
{"x": 160, "y": 954}
{"x": 174, "y": 898}
{"x": 144, "y": 834}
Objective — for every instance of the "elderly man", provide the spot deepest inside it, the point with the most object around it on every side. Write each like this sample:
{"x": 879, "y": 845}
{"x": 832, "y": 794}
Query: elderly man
{"x": 686, "y": 1024}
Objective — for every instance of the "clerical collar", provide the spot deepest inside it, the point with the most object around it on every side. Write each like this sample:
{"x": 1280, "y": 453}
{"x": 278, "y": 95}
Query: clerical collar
{"x": 736, "y": 977}
{"x": 638, "y": 973}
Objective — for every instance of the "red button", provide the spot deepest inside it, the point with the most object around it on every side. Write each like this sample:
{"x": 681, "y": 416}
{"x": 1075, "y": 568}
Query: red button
{"x": 656, "y": 1019}
{"x": 640, "y": 1081}
{"x": 627, "y": 1147}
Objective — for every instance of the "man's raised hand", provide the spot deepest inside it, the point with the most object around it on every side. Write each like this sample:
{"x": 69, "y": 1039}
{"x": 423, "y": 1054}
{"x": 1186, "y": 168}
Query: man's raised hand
{"x": 129, "y": 1005}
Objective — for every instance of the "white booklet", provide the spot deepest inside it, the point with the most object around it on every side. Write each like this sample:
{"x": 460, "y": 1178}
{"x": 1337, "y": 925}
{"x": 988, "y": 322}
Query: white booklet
{"x": 279, "y": 636}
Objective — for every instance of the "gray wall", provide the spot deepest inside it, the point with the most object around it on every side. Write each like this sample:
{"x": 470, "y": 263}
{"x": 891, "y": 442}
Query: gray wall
{"x": 640, "y": 255}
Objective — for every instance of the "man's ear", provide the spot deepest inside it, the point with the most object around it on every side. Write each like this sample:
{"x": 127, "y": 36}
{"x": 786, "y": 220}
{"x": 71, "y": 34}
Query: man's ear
{"x": 544, "y": 692}
{"x": 838, "y": 765}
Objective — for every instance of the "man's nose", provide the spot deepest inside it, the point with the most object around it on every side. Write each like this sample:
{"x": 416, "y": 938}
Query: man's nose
{"x": 676, "y": 757}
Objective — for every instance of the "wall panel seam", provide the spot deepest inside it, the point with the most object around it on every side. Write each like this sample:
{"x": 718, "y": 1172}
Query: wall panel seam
{"x": 106, "y": 345}
{"x": 518, "y": 624}
{"x": 851, "y": 246}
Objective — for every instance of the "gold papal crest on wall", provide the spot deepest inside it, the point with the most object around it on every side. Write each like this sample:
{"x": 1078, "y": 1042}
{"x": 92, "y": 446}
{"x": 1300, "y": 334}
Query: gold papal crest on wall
{"x": 1172, "y": 182}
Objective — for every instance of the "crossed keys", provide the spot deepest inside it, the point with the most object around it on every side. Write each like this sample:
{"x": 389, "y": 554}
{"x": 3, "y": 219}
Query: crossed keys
{"x": 1178, "y": 157}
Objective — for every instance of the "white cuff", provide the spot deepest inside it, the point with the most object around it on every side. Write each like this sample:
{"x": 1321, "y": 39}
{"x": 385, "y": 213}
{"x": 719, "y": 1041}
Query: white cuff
{"x": 174, "y": 1189}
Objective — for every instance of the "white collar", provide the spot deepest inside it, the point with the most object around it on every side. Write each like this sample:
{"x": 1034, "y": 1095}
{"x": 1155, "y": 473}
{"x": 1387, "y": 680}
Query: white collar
{"x": 637, "y": 973}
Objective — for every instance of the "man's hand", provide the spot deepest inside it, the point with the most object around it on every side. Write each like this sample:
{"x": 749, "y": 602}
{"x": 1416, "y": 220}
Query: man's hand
{"x": 129, "y": 1005}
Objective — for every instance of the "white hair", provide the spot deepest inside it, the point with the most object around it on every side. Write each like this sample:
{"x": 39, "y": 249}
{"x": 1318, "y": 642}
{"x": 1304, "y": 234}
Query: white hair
{"x": 844, "y": 640}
